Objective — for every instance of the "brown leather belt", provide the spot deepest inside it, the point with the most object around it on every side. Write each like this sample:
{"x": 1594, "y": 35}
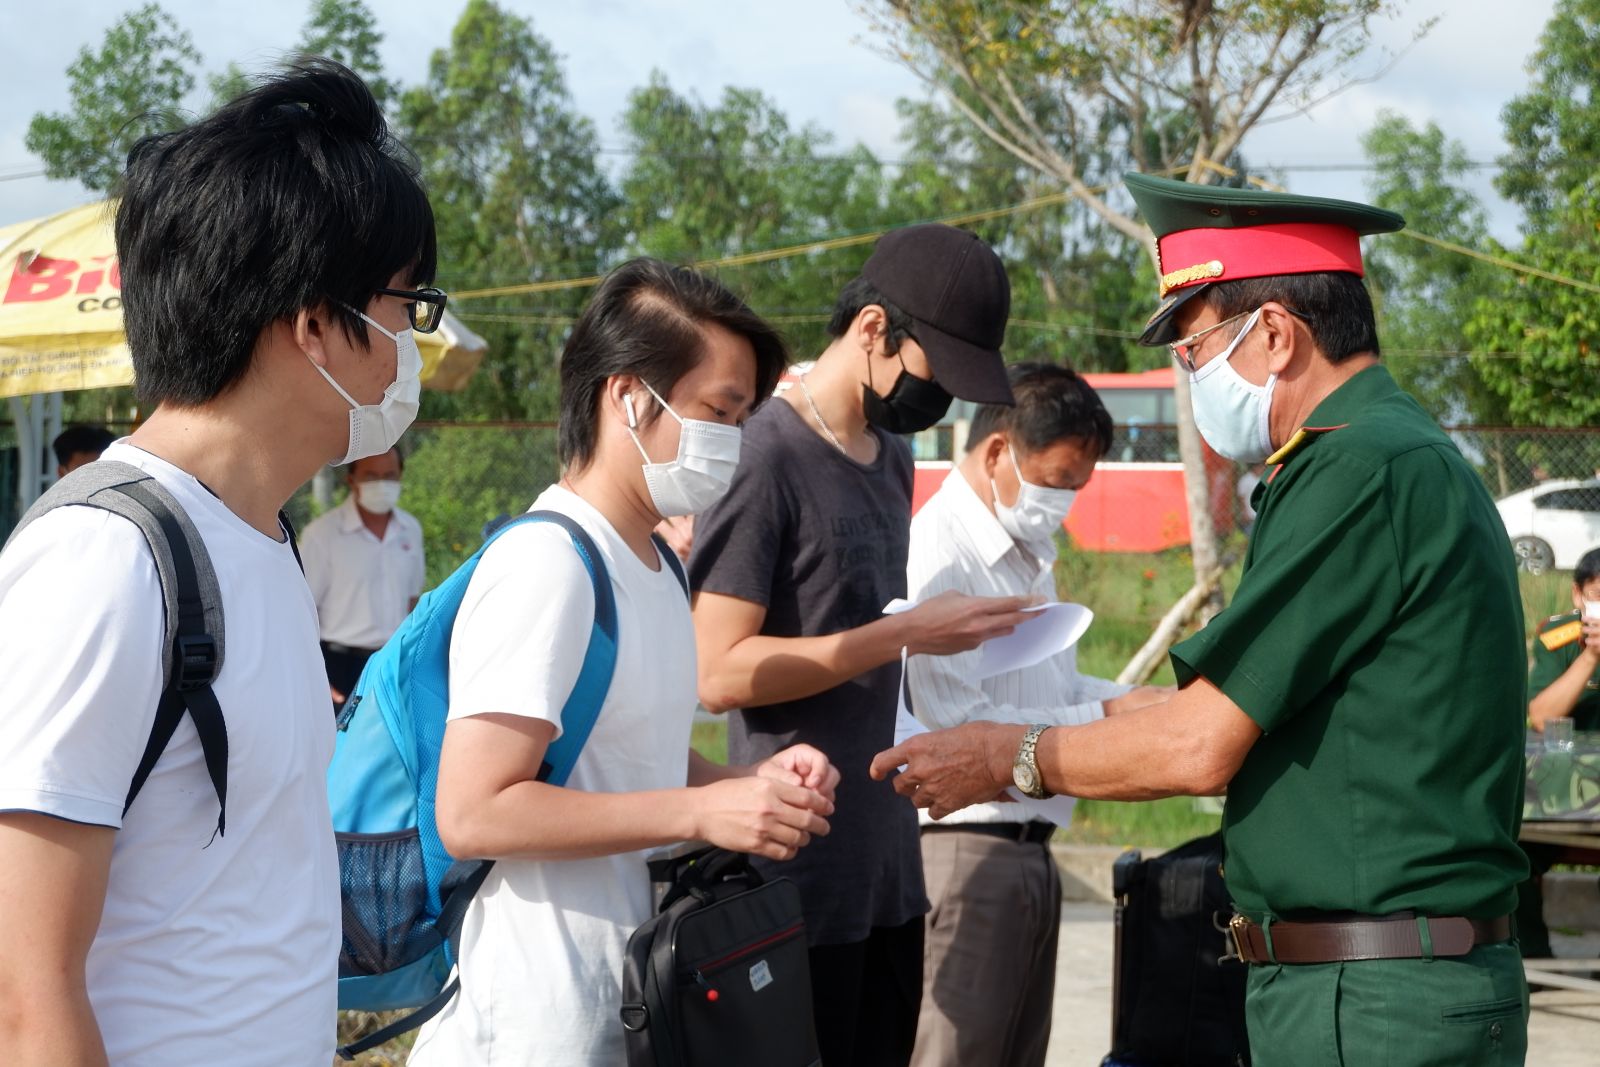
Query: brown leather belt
{"x": 1034, "y": 832}
{"x": 1392, "y": 938}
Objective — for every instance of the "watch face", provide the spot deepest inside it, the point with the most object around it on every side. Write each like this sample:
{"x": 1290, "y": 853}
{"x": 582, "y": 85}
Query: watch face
{"x": 1025, "y": 778}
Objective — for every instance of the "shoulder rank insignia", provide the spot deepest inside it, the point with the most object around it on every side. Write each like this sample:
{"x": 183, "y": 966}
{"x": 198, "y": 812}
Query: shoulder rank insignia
{"x": 1561, "y": 636}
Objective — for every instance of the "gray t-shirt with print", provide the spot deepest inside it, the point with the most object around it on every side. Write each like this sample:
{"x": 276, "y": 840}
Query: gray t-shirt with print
{"x": 820, "y": 541}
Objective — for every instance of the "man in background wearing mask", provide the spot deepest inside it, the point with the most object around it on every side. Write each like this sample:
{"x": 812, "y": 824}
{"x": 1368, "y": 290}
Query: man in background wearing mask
{"x": 1374, "y": 783}
{"x": 365, "y": 568}
{"x": 990, "y": 963}
{"x": 271, "y": 258}
{"x": 792, "y": 570}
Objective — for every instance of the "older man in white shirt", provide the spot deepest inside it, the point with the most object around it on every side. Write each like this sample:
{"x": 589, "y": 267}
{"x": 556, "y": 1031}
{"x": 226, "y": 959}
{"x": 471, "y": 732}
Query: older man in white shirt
{"x": 990, "y": 949}
{"x": 365, "y": 566}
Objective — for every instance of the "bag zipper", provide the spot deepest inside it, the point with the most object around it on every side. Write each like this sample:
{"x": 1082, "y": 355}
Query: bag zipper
{"x": 697, "y": 972}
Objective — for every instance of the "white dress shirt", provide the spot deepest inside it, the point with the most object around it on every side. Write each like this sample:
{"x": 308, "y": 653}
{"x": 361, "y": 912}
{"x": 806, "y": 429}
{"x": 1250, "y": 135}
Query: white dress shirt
{"x": 363, "y": 586}
{"x": 958, "y": 544}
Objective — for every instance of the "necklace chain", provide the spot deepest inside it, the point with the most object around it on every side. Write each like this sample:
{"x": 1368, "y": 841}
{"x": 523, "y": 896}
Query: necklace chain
{"x": 826, "y": 429}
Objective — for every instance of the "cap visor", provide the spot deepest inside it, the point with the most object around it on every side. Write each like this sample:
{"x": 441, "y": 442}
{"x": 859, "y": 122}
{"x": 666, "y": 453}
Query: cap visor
{"x": 1162, "y": 329}
{"x": 964, "y": 369}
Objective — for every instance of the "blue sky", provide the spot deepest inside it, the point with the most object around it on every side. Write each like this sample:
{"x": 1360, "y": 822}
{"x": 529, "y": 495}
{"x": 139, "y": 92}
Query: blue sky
{"x": 814, "y": 57}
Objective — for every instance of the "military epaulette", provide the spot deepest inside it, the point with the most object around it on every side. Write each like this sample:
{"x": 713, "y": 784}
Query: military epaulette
{"x": 1303, "y": 436}
{"x": 1561, "y": 636}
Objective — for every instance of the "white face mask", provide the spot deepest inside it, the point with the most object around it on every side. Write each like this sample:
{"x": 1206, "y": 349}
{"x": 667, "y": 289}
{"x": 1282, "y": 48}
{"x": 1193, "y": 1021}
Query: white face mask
{"x": 376, "y": 428}
{"x": 378, "y": 497}
{"x": 1230, "y": 413}
{"x": 1038, "y": 513}
{"x": 708, "y": 454}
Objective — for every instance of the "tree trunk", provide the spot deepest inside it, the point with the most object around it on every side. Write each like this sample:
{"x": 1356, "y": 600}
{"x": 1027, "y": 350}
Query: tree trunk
{"x": 1197, "y": 491}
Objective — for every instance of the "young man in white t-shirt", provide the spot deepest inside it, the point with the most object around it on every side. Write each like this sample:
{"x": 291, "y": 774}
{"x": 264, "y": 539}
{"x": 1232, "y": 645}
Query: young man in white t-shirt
{"x": 660, "y": 371}
{"x": 259, "y": 251}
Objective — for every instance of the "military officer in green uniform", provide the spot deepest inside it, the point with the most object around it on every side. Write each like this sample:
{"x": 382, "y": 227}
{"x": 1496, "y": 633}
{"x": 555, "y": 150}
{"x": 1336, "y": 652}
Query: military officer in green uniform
{"x": 1564, "y": 683}
{"x": 1565, "y": 680}
{"x": 1361, "y": 701}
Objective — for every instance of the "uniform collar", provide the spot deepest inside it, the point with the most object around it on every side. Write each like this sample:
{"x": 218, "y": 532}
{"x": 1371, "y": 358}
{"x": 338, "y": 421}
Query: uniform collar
{"x": 987, "y": 535}
{"x": 1339, "y": 408}
{"x": 349, "y": 518}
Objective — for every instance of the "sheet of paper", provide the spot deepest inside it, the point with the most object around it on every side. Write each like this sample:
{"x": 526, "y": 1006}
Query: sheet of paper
{"x": 1054, "y": 628}
{"x": 1057, "y": 809}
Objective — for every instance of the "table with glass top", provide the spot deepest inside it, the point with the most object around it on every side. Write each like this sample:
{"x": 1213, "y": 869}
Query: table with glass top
{"x": 1561, "y": 810}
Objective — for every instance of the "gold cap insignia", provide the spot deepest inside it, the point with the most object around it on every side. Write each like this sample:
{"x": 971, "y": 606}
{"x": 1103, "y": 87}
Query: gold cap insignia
{"x": 1185, "y": 275}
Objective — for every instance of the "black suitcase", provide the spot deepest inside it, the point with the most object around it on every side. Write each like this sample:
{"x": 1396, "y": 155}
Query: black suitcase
{"x": 1175, "y": 1003}
{"x": 721, "y": 975}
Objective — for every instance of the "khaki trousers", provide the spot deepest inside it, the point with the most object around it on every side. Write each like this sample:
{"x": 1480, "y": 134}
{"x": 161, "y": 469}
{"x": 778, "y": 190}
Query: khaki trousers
{"x": 989, "y": 957}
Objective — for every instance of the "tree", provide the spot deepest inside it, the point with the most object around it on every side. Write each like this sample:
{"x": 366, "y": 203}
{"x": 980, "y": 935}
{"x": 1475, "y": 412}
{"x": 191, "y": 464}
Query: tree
{"x": 1079, "y": 89}
{"x": 130, "y": 88}
{"x": 347, "y": 31}
{"x": 1553, "y": 128}
{"x": 1540, "y": 336}
{"x": 1425, "y": 294}
{"x": 709, "y": 181}
{"x": 519, "y": 197}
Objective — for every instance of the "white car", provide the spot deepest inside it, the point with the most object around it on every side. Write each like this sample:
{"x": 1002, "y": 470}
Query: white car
{"x": 1552, "y": 524}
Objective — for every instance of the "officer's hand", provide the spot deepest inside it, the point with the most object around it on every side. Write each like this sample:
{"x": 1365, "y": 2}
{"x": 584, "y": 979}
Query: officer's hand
{"x": 947, "y": 770}
{"x": 338, "y": 697}
{"x": 955, "y": 622}
{"x": 1591, "y": 638}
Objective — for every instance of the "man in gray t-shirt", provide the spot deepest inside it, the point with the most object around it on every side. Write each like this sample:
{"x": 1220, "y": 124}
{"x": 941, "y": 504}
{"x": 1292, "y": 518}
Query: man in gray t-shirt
{"x": 791, "y": 571}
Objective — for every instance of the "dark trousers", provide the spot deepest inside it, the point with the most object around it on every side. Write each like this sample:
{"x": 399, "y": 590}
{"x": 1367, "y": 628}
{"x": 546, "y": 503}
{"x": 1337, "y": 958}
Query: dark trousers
{"x": 345, "y": 665}
{"x": 865, "y": 997}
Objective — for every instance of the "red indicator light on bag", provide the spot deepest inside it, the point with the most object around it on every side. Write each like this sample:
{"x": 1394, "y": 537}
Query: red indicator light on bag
{"x": 711, "y": 996}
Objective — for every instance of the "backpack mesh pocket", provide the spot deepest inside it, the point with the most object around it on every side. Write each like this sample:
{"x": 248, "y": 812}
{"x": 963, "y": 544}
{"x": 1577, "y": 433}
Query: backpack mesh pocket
{"x": 385, "y": 902}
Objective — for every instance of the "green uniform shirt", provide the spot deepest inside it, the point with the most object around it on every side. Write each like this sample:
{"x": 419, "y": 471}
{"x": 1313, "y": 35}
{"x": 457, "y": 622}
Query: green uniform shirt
{"x": 1548, "y": 666}
{"x": 1377, "y": 639}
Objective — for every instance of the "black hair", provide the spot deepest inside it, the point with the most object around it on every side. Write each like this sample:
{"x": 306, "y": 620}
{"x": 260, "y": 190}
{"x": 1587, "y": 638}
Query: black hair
{"x": 1335, "y": 306}
{"x": 860, "y": 293}
{"x": 75, "y": 439}
{"x": 1054, "y": 403}
{"x": 647, "y": 319}
{"x": 399, "y": 454}
{"x": 292, "y": 195}
{"x": 1588, "y": 568}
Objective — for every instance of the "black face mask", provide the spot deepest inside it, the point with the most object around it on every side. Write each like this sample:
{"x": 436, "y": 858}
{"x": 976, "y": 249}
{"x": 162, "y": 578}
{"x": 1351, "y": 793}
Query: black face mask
{"x": 912, "y": 405}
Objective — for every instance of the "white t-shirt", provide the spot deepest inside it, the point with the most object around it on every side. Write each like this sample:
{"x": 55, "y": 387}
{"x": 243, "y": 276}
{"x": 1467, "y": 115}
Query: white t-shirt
{"x": 542, "y": 944}
{"x": 209, "y": 950}
{"x": 363, "y": 586}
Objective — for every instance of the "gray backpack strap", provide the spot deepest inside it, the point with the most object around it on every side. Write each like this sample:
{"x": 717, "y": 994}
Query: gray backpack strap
{"x": 191, "y": 602}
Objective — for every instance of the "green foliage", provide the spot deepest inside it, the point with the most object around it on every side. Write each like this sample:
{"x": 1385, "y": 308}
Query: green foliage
{"x": 518, "y": 195}
{"x": 1553, "y": 129}
{"x": 347, "y": 31}
{"x": 469, "y": 477}
{"x": 1425, "y": 294}
{"x": 1549, "y": 330}
{"x": 130, "y": 88}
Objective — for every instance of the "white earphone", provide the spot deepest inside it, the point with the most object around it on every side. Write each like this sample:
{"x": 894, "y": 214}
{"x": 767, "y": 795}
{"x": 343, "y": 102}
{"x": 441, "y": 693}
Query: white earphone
{"x": 627, "y": 403}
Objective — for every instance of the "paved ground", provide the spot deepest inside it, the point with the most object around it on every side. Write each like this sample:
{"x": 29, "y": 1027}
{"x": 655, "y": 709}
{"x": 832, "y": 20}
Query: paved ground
{"x": 1564, "y": 1030}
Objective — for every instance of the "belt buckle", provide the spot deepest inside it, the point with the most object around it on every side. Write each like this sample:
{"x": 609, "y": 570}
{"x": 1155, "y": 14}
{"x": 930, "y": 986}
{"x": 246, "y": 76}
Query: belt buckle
{"x": 1233, "y": 937}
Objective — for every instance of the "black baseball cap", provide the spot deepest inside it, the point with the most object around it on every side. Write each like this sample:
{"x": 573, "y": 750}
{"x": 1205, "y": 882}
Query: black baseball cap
{"x": 956, "y": 291}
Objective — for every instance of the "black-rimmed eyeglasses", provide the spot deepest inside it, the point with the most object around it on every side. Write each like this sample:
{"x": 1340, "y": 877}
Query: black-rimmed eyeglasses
{"x": 425, "y": 306}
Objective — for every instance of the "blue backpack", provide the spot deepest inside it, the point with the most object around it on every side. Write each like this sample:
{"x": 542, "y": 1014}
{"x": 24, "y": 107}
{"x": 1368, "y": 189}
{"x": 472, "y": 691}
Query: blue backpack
{"x": 403, "y": 895}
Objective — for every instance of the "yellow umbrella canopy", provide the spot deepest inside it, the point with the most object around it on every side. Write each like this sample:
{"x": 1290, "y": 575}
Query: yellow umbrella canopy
{"x": 61, "y": 311}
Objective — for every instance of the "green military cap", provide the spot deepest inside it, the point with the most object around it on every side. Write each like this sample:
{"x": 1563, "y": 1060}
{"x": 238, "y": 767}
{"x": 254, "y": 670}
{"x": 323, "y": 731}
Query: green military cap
{"x": 1207, "y": 233}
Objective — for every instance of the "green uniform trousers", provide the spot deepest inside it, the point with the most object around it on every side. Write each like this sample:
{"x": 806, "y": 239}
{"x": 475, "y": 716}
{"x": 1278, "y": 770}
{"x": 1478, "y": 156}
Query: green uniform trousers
{"x": 1466, "y": 1011}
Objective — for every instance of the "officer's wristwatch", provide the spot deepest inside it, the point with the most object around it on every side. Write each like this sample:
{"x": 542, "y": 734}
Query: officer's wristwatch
{"x": 1025, "y": 770}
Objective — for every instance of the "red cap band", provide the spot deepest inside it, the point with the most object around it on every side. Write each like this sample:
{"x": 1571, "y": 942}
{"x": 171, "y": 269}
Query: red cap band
{"x": 1257, "y": 252}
